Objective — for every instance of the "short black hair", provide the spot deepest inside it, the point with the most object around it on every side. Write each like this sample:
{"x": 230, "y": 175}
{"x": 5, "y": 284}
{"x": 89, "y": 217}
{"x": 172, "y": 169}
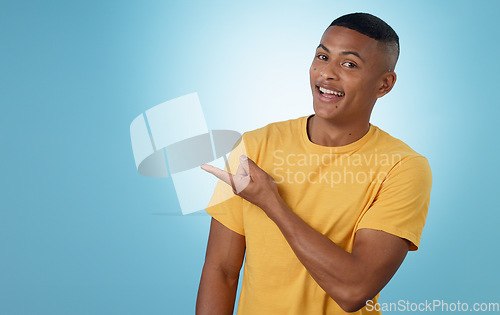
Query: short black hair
{"x": 371, "y": 26}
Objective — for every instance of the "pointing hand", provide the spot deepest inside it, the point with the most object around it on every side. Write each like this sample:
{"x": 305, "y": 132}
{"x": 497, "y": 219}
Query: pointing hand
{"x": 250, "y": 182}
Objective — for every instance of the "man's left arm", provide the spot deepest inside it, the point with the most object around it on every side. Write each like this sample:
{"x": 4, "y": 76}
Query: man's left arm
{"x": 349, "y": 278}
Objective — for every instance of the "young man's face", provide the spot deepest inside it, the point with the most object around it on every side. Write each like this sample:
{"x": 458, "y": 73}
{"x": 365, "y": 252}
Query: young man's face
{"x": 346, "y": 75}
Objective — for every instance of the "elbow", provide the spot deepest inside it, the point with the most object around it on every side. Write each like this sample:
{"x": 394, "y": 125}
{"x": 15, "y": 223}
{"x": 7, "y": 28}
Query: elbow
{"x": 351, "y": 306}
{"x": 352, "y": 300}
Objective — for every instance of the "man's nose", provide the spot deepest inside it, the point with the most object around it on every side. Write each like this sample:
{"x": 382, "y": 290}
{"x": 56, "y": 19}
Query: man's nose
{"x": 329, "y": 72}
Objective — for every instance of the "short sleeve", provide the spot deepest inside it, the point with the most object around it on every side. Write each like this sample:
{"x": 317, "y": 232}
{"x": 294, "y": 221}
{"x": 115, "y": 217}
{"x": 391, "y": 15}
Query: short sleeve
{"x": 225, "y": 206}
{"x": 401, "y": 205}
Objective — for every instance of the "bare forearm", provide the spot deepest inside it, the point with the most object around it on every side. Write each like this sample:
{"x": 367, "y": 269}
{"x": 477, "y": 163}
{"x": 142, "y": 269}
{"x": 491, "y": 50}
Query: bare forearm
{"x": 217, "y": 293}
{"x": 338, "y": 272}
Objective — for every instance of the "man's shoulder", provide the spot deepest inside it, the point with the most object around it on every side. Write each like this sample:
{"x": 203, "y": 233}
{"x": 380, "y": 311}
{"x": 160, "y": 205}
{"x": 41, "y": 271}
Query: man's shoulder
{"x": 389, "y": 143}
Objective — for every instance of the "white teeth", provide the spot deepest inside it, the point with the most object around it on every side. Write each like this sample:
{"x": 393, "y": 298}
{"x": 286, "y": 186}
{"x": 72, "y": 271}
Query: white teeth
{"x": 326, "y": 91}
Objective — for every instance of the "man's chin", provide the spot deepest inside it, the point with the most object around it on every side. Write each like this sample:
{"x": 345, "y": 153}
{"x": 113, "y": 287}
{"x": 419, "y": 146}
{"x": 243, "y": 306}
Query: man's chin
{"x": 329, "y": 114}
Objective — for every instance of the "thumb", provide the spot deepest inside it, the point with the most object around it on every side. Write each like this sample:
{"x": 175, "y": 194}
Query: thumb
{"x": 243, "y": 167}
{"x": 249, "y": 165}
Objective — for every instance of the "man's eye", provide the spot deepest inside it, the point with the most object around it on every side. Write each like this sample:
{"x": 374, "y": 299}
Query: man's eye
{"x": 349, "y": 64}
{"x": 322, "y": 57}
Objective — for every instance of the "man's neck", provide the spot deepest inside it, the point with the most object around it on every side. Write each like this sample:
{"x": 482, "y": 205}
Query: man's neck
{"x": 328, "y": 134}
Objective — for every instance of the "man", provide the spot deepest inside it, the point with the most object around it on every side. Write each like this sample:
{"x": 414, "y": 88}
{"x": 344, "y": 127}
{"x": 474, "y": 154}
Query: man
{"x": 326, "y": 206}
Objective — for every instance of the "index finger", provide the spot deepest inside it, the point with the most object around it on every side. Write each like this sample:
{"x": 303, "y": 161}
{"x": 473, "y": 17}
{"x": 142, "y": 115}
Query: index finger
{"x": 220, "y": 174}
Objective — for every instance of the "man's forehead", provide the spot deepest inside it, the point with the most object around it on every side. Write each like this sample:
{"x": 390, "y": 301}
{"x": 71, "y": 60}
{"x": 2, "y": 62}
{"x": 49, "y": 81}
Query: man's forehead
{"x": 336, "y": 37}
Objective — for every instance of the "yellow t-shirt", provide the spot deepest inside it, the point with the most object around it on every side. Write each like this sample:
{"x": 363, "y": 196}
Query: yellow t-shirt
{"x": 377, "y": 182}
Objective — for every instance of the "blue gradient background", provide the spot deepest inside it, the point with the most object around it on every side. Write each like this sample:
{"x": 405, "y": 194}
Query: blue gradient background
{"x": 81, "y": 232}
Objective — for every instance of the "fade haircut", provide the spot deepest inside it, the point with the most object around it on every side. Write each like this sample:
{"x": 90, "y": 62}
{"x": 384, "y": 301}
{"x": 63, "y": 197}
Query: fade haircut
{"x": 375, "y": 28}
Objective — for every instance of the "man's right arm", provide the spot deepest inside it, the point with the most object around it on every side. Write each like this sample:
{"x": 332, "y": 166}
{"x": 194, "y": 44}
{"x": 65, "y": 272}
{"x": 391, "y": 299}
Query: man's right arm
{"x": 219, "y": 279}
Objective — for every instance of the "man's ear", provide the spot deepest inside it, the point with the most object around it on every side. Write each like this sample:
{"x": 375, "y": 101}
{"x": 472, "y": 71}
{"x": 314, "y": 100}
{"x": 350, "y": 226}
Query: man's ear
{"x": 387, "y": 80}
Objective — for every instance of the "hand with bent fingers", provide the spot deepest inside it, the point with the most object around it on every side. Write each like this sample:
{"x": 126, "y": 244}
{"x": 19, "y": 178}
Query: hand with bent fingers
{"x": 250, "y": 182}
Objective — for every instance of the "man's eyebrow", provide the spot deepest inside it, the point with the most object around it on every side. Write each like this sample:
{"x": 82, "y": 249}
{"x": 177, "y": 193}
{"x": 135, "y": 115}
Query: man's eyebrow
{"x": 352, "y": 53}
{"x": 323, "y": 46}
{"x": 348, "y": 52}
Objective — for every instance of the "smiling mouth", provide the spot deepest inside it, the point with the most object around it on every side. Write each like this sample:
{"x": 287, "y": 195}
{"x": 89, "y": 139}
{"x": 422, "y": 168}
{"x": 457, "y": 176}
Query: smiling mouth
{"x": 330, "y": 93}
